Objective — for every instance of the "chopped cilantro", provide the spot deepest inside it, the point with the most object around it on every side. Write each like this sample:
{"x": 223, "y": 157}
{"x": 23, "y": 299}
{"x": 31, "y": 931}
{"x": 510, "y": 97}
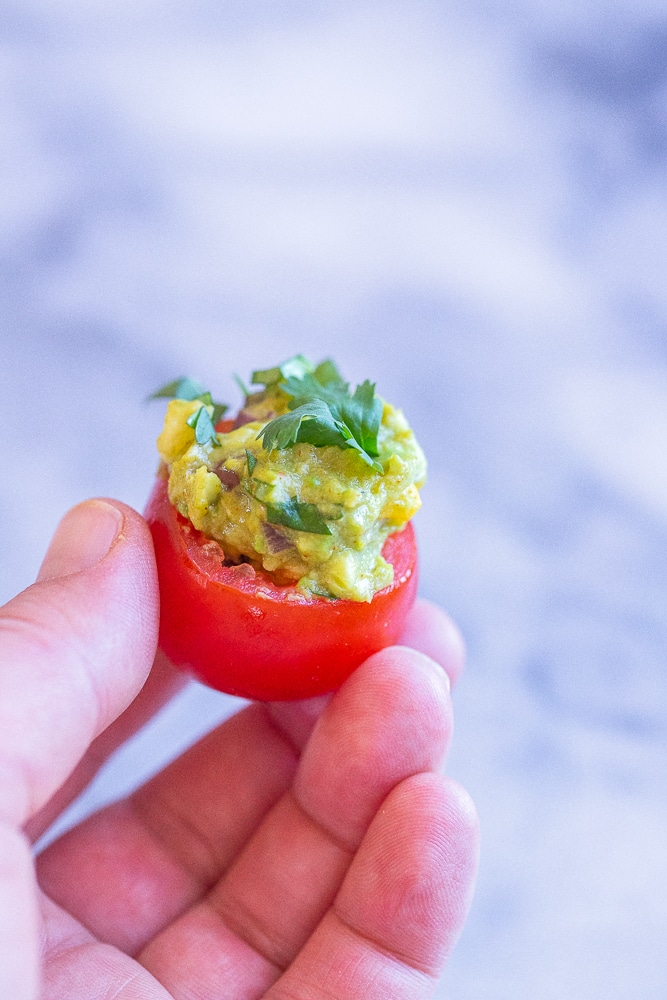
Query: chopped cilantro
{"x": 322, "y": 410}
{"x": 242, "y": 386}
{"x": 285, "y": 431}
{"x": 296, "y": 366}
{"x": 251, "y": 460}
{"x": 313, "y": 587}
{"x": 300, "y": 516}
{"x": 201, "y": 420}
{"x": 203, "y": 426}
{"x": 180, "y": 388}
{"x": 219, "y": 409}
{"x": 327, "y": 372}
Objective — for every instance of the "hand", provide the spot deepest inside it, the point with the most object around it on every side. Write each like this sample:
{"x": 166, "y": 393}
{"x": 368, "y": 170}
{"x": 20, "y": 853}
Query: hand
{"x": 300, "y": 850}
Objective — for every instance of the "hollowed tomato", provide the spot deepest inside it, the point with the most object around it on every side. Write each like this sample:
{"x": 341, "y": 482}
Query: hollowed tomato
{"x": 236, "y": 630}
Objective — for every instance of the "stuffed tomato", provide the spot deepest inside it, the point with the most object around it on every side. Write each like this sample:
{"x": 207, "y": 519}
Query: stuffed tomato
{"x": 283, "y": 544}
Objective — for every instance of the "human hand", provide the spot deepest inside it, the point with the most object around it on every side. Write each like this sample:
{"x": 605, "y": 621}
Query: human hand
{"x": 300, "y": 850}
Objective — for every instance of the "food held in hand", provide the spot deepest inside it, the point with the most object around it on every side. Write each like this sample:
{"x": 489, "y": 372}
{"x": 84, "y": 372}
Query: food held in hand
{"x": 282, "y": 537}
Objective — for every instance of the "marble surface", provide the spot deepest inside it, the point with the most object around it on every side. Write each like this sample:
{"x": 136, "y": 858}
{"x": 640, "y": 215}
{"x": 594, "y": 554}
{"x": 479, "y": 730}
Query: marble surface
{"x": 468, "y": 203}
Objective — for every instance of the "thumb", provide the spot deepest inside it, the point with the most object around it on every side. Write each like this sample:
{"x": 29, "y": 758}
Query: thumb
{"x": 83, "y": 537}
{"x": 75, "y": 649}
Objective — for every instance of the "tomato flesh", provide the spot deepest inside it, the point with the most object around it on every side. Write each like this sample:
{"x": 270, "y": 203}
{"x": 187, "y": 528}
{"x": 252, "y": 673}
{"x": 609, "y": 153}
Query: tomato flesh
{"x": 239, "y": 632}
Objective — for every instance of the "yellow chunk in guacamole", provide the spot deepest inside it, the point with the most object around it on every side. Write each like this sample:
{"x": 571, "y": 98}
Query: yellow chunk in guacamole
{"x": 314, "y": 516}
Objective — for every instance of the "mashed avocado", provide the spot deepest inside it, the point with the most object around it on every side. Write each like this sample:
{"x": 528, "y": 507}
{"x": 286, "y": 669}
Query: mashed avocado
{"x": 307, "y": 511}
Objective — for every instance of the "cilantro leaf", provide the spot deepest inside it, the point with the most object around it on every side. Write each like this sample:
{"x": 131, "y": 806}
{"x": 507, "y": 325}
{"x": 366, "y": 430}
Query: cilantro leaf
{"x": 362, "y": 414}
{"x": 297, "y": 366}
{"x": 323, "y": 412}
{"x": 241, "y": 384}
{"x": 312, "y": 423}
{"x": 203, "y": 426}
{"x": 189, "y": 389}
{"x": 219, "y": 410}
{"x": 326, "y": 372}
{"x": 299, "y": 516}
{"x": 180, "y": 388}
{"x": 304, "y": 390}
{"x": 251, "y": 460}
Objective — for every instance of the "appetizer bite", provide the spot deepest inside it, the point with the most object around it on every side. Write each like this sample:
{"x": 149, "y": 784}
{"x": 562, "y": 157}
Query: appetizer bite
{"x": 282, "y": 537}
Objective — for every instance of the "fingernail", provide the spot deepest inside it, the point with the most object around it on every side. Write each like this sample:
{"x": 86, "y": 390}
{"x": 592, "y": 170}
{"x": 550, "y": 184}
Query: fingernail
{"x": 82, "y": 539}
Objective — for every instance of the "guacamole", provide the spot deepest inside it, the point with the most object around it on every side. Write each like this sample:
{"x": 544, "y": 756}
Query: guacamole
{"x": 272, "y": 490}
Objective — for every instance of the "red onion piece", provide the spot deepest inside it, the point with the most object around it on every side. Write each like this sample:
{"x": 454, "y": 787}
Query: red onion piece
{"x": 228, "y": 479}
{"x": 243, "y": 417}
{"x": 275, "y": 539}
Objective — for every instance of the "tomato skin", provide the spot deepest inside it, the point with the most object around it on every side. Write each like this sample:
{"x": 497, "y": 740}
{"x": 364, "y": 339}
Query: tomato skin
{"x": 238, "y": 632}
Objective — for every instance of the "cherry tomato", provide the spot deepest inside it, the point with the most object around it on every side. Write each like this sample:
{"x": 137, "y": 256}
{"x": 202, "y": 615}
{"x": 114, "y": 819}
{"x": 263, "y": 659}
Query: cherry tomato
{"x": 238, "y": 631}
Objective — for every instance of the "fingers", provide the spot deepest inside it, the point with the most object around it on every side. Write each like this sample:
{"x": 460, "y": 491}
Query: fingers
{"x": 75, "y": 649}
{"x": 402, "y": 904}
{"x": 141, "y": 862}
{"x": 76, "y": 966}
{"x": 430, "y": 630}
{"x": 391, "y": 719}
{"x": 140, "y": 865}
{"x": 409, "y": 889}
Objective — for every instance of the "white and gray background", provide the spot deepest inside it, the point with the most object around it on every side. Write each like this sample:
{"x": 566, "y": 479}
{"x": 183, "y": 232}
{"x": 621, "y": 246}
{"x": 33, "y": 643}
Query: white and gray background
{"x": 467, "y": 202}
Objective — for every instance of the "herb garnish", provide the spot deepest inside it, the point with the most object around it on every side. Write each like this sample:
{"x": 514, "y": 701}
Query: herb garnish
{"x": 180, "y": 388}
{"x": 296, "y": 366}
{"x": 291, "y": 513}
{"x": 251, "y": 460}
{"x": 203, "y": 426}
{"x": 300, "y": 516}
{"x": 322, "y": 410}
{"x": 241, "y": 384}
{"x": 202, "y": 422}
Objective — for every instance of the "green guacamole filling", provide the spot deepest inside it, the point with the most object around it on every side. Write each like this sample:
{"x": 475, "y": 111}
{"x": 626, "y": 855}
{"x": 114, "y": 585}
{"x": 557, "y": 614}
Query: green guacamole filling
{"x": 306, "y": 484}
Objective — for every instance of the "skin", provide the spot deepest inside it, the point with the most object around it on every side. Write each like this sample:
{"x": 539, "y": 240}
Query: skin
{"x": 301, "y": 850}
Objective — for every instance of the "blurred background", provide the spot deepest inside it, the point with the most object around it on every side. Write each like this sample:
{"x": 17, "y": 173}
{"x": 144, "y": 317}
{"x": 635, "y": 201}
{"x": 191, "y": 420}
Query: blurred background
{"x": 467, "y": 203}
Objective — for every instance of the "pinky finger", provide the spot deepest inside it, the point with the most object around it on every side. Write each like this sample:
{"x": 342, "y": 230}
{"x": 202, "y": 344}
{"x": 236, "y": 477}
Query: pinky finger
{"x": 402, "y": 905}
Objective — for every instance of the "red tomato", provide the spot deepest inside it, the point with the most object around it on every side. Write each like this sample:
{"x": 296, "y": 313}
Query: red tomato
{"x": 238, "y": 631}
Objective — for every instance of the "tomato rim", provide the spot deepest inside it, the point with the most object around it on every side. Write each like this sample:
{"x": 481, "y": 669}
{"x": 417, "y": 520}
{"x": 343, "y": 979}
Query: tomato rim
{"x": 246, "y": 635}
